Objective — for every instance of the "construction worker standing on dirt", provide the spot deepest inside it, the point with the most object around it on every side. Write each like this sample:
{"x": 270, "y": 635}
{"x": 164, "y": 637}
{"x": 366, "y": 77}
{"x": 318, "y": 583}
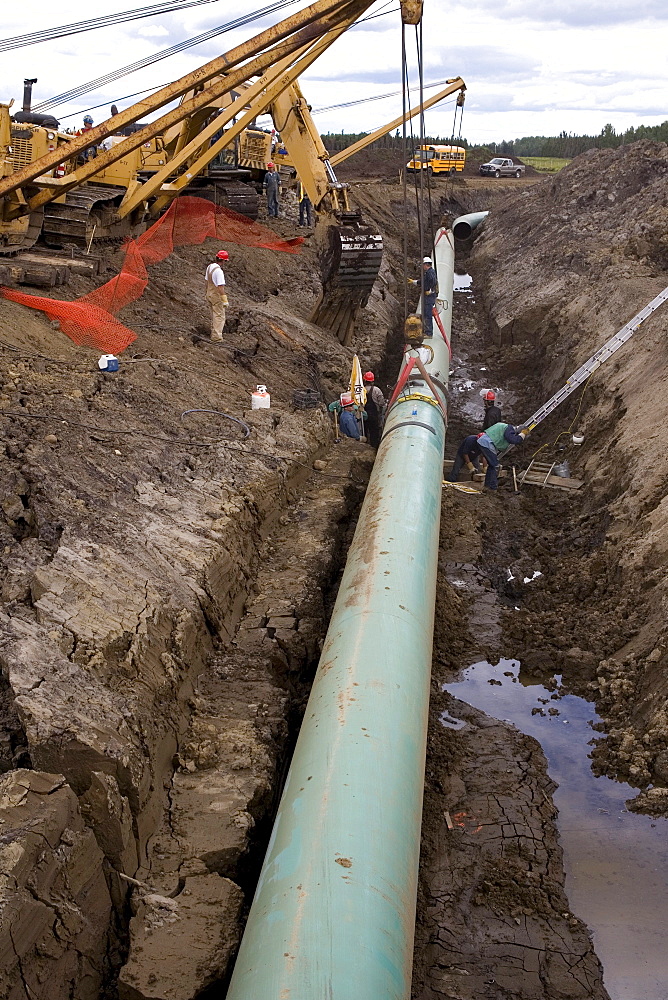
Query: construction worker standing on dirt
{"x": 272, "y": 187}
{"x": 492, "y": 411}
{"x": 429, "y": 289}
{"x": 375, "y": 409}
{"x": 216, "y": 295}
{"x": 305, "y": 208}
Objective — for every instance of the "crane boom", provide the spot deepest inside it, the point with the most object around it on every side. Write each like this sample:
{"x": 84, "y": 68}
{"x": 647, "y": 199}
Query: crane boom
{"x": 258, "y": 53}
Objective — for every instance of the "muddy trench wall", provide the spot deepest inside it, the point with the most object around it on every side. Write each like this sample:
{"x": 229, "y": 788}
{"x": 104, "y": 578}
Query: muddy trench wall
{"x": 162, "y": 608}
{"x": 560, "y": 267}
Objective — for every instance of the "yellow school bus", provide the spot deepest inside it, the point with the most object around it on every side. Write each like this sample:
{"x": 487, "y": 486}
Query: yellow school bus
{"x": 438, "y": 160}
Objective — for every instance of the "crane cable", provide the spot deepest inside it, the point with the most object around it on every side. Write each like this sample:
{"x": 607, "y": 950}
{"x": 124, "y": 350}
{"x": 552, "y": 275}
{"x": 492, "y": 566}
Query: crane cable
{"x": 420, "y": 50}
{"x": 405, "y": 162}
{"x": 117, "y": 74}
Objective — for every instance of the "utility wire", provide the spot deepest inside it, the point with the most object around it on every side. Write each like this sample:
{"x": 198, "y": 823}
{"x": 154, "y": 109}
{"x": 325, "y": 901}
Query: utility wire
{"x": 101, "y": 81}
{"x": 86, "y": 88}
{"x": 47, "y": 34}
{"x": 378, "y": 97}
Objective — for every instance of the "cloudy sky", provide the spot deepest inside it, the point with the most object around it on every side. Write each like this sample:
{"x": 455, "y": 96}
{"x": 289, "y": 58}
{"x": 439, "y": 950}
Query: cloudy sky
{"x": 570, "y": 65}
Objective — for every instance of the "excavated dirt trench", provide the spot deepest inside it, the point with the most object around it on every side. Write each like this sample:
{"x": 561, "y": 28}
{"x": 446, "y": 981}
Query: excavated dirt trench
{"x": 570, "y": 586}
{"x": 164, "y": 603}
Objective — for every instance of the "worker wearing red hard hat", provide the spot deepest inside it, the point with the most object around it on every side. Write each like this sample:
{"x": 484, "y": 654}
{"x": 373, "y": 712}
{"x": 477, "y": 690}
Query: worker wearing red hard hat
{"x": 216, "y": 295}
{"x": 375, "y": 407}
{"x": 492, "y": 409}
{"x": 272, "y": 187}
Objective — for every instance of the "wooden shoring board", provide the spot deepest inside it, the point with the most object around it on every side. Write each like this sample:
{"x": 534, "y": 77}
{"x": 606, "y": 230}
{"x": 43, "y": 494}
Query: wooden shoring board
{"x": 555, "y": 482}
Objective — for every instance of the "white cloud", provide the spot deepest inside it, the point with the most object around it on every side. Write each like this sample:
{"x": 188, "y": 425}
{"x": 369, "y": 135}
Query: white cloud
{"x": 529, "y": 70}
{"x": 153, "y": 31}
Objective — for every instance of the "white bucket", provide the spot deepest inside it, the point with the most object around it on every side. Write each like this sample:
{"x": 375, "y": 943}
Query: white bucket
{"x": 260, "y": 399}
{"x": 578, "y": 439}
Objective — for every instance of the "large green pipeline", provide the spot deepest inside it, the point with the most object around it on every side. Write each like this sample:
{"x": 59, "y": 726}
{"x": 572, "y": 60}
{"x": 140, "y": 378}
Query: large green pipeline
{"x": 334, "y": 912}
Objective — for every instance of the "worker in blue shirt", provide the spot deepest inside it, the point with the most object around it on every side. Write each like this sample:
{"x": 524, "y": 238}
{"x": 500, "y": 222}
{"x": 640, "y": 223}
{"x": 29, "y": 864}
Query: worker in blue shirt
{"x": 348, "y": 424}
{"x": 429, "y": 288}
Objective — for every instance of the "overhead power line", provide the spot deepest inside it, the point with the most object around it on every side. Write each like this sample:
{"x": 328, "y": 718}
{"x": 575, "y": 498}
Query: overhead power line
{"x": 47, "y": 34}
{"x": 377, "y": 97}
{"x": 118, "y": 74}
{"x": 101, "y": 81}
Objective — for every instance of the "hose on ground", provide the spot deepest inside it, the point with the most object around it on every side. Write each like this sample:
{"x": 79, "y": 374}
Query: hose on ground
{"x": 220, "y": 413}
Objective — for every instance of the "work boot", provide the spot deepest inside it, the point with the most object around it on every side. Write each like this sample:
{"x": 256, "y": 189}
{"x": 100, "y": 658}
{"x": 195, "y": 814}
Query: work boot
{"x": 216, "y": 338}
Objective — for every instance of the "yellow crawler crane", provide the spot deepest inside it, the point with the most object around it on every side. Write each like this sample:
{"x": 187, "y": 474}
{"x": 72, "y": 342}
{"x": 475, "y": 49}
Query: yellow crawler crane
{"x": 48, "y": 176}
{"x": 258, "y": 76}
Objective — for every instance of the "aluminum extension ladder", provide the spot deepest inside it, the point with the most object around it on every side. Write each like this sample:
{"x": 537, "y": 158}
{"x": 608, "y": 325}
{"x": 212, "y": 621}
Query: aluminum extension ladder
{"x": 595, "y": 361}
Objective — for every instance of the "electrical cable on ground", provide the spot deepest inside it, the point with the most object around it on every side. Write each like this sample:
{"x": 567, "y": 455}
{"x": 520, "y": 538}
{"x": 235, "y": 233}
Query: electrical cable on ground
{"x": 220, "y": 413}
{"x": 572, "y": 423}
{"x": 225, "y": 442}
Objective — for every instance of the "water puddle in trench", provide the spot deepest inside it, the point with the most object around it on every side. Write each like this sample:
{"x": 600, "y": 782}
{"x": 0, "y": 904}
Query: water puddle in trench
{"x": 616, "y": 862}
{"x": 462, "y": 283}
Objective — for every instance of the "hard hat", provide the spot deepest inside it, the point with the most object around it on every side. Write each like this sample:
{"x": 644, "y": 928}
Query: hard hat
{"x": 270, "y": 165}
{"x": 346, "y": 399}
{"x": 490, "y": 394}
{"x": 368, "y": 377}
{"x": 222, "y": 255}
{"x": 426, "y": 260}
{"x": 88, "y": 120}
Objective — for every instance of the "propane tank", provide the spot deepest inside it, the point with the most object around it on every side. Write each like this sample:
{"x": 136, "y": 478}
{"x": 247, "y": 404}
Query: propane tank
{"x": 260, "y": 399}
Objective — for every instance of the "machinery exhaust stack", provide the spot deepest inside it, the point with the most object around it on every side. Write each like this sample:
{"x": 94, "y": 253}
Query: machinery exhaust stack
{"x": 27, "y": 94}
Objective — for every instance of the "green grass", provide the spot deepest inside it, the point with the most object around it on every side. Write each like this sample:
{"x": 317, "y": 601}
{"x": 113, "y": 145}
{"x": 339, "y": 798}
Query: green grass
{"x": 546, "y": 164}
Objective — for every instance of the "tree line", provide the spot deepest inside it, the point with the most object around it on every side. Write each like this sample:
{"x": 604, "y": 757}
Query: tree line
{"x": 566, "y": 144}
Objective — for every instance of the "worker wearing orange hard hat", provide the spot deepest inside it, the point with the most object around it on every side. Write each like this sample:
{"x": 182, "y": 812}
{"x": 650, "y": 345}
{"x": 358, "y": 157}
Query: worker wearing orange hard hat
{"x": 272, "y": 187}
{"x": 216, "y": 295}
{"x": 375, "y": 407}
{"x": 492, "y": 408}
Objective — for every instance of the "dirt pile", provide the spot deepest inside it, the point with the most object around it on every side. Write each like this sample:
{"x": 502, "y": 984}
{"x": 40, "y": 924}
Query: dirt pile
{"x": 132, "y": 533}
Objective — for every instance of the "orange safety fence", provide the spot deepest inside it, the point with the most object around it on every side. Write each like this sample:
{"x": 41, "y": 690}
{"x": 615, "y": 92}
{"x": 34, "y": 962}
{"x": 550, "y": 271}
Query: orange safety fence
{"x": 90, "y": 320}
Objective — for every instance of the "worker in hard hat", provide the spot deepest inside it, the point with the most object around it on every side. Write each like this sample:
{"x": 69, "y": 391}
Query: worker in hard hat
{"x": 492, "y": 409}
{"x": 492, "y": 443}
{"x": 216, "y": 295}
{"x": 272, "y": 187}
{"x": 91, "y": 152}
{"x": 375, "y": 407}
{"x": 348, "y": 424}
{"x": 429, "y": 293}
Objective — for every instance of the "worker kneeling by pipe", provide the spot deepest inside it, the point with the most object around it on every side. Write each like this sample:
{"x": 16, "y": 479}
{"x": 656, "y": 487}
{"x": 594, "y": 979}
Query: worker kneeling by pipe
{"x": 491, "y": 444}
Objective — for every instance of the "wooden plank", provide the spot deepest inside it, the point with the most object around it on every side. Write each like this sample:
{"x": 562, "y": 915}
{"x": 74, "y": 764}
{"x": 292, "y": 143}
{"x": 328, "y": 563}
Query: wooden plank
{"x": 76, "y": 264}
{"x": 560, "y": 482}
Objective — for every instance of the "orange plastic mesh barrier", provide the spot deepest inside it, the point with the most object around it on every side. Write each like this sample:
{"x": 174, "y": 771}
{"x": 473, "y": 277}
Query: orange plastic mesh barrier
{"x": 90, "y": 320}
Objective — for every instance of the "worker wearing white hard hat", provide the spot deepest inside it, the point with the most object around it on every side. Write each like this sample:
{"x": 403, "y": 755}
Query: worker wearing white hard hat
{"x": 429, "y": 287}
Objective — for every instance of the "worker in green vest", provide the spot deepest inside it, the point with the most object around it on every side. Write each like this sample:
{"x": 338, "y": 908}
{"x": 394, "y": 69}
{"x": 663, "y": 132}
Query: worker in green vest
{"x": 493, "y": 443}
